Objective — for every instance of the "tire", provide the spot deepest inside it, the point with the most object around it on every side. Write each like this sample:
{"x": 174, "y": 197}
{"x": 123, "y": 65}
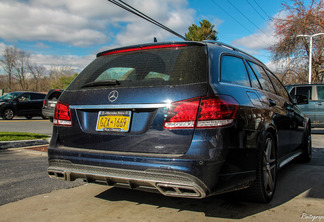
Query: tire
{"x": 29, "y": 117}
{"x": 8, "y": 114}
{"x": 307, "y": 147}
{"x": 262, "y": 190}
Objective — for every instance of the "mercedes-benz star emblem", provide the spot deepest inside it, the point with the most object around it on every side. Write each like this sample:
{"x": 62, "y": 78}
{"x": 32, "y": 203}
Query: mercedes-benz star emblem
{"x": 113, "y": 95}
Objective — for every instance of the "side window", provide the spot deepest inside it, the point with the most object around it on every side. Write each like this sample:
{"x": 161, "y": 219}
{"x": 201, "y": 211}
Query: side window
{"x": 320, "y": 92}
{"x": 233, "y": 71}
{"x": 263, "y": 77}
{"x": 304, "y": 90}
{"x": 278, "y": 86}
{"x": 292, "y": 92}
{"x": 254, "y": 80}
{"x": 24, "y": 97}
{"x": 37, "y": 96}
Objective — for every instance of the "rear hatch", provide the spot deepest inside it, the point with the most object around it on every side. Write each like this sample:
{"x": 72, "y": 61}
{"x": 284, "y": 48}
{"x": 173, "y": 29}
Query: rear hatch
{"x": 127, "y": 100}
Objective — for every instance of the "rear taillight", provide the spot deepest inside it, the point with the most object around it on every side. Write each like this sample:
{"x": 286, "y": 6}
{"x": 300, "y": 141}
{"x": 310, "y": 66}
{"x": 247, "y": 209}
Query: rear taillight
{"x": 62, "y": 115}
{"x": 182, "y": 114}
{"x": 202, "y": 112}
{"x": 43, "y": 103}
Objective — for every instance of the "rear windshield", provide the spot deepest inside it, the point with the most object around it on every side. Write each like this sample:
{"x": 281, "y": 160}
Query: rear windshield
{"x": 152, "y": 67}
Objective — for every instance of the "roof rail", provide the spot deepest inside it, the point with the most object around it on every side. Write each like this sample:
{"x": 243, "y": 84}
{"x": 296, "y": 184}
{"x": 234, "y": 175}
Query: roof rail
{"x": 230, "y": 47}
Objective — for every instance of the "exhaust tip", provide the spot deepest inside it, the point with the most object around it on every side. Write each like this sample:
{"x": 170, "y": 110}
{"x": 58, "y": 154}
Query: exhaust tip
{"x": 56, "y": 174}
{"x": 178, "y": 190}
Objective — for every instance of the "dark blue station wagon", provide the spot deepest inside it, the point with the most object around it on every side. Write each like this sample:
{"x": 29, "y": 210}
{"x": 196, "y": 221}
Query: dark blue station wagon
{"x": 186, "y": 119}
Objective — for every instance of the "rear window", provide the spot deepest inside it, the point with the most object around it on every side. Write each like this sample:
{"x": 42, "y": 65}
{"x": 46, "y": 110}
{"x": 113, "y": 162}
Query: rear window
{"x": 150, "y": 67}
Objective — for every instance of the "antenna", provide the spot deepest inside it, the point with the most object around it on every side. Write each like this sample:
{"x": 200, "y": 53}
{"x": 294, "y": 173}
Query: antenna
{"x": 133, "y": 10}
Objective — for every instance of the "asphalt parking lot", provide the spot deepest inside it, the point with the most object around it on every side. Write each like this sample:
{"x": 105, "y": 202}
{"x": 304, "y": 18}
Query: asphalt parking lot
{"x": 299, "y": 197}
{"x": 21, "y": 124}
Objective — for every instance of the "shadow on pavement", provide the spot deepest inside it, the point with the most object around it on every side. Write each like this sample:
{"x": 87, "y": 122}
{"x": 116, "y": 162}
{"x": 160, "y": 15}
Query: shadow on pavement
{"x": 293, "y": 180}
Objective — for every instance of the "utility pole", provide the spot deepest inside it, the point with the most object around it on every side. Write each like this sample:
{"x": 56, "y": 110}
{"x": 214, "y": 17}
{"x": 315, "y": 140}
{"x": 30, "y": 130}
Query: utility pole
{"x": 310, "y": 53}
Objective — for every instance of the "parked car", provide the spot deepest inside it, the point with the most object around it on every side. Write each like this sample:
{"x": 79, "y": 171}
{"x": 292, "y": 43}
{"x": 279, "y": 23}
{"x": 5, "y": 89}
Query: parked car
{"x": 28, "y": 104}
{"x": 50, "y": 103}
{"x": 186, "y": 119}
{"x": 314, "y": 109}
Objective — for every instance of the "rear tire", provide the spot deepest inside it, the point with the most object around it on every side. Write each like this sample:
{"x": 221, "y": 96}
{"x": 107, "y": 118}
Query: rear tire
{"x": 262, "y": 190}
{"x": 8, "y": 114}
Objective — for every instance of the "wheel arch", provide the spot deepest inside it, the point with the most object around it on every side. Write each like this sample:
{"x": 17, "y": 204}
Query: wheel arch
{"x": 273, "y": 131}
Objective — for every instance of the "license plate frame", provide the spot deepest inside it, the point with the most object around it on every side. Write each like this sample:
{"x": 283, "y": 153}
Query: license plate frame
{"x": 114, "y": 121}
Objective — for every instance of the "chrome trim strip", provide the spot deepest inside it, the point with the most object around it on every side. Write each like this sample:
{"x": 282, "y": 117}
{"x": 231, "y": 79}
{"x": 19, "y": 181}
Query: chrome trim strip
{"x": 120, "y": 106}
{"x": 157, "y": 155}
{"x": 286, "y": 161}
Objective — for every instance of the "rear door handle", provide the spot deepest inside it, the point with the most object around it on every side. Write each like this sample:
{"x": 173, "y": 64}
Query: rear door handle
{"x": 272, "y": 103}
{"x": 319, "y": 104}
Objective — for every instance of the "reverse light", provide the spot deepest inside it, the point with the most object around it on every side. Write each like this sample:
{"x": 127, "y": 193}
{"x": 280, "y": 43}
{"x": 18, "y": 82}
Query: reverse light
{"x": 201, "y": 112}
{"x": 62, "y": 115}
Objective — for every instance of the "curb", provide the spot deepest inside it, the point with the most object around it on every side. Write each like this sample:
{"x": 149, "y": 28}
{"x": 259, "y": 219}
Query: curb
{"x": 22, "y": 143}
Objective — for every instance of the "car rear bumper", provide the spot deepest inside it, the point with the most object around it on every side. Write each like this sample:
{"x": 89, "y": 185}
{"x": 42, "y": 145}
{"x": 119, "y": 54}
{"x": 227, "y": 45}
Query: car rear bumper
{"x": 169, "y": 183}
{"x": 170, "y": 176}
{"x": 48, "y": 113}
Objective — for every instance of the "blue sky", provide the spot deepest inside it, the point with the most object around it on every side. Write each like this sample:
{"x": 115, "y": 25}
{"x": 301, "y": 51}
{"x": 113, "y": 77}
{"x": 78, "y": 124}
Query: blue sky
{"x": 71, "y": 32}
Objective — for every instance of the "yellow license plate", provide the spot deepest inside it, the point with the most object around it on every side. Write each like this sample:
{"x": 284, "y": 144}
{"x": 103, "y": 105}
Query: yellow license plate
{"x": 118, "y": 121}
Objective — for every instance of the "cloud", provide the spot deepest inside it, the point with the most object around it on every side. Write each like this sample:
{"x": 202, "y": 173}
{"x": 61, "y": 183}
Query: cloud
{"x": 76, "y": 62}
{"x": 28, "y": 22}
{"x": 172, "y": 14}
{"x": 84, "y": 22}
{"x": 262, "y": 40}
{"x": 258, "y": 41}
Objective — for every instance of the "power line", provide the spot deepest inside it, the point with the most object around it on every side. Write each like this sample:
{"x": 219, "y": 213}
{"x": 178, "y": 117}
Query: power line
{"x": 231, "y": 16}
{"x": 257, "y": 12}
{"x": 246, "y": 17}
{"x": 140, "y": 14}
{"x": 258, "y": 39}
{"x": 262, "y": 10}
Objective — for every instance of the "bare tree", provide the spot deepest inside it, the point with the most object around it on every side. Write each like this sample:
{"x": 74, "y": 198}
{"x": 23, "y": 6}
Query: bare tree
{"x": 21, "y": 69}
{"x": 8, "y": 63}
{"x": 37, "y": 72}
{"x": 61, "y": 76}
{"x": 301, "y": 19}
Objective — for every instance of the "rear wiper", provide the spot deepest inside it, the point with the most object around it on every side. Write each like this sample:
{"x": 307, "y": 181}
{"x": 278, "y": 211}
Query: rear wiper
{"x": 110, "y": 82}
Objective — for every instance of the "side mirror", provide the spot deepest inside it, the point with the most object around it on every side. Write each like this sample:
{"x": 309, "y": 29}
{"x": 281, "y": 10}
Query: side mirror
{"x": 301, "y": 99}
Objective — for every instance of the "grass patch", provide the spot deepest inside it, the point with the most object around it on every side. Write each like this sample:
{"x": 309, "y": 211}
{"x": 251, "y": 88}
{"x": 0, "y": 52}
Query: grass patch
{"x": 12, "y": 136}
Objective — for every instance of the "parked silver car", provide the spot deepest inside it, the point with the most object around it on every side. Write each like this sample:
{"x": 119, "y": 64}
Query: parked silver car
{"x": 315, "y": 107}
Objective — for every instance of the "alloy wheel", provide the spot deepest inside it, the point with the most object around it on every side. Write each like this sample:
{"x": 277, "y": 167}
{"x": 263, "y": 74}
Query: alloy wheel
{"x": 269, "y": 167}
{"x": 8, "y": 114}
